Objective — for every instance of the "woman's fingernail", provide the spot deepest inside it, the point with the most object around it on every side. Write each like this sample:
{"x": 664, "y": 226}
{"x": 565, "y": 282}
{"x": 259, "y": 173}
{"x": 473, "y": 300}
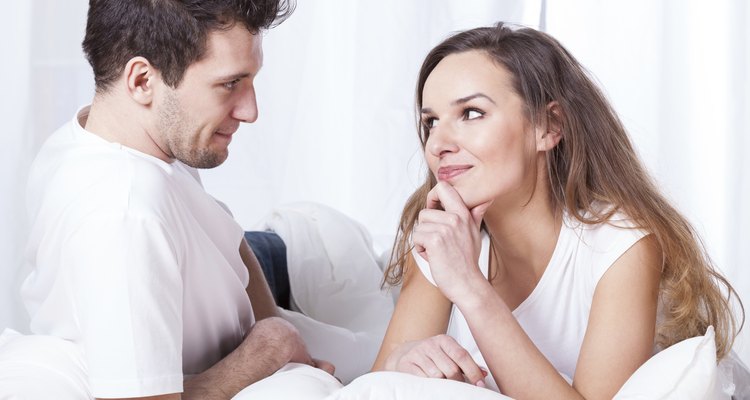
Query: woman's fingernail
{"x": 481, "y": 384}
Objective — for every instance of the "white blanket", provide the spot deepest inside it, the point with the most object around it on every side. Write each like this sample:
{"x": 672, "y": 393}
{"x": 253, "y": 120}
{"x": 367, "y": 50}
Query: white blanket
{"x": 335, "y": 283}
{"x": 297, "y": 381}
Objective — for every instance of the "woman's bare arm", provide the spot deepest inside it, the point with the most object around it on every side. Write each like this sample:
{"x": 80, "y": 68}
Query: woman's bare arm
{"x": 421, "y": 312}
{"x": 619, "y": 336}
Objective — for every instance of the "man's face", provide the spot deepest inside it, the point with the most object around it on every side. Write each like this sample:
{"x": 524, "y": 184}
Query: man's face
{"x": 195, "y": 121}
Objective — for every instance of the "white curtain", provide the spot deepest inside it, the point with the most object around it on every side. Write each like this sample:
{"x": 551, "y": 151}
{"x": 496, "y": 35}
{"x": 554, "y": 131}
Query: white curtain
{"x": 45, "y": 78}
{"x": 677, "y": 73}
{"x": 336, "y": 107}
{"x": 13, "y": 154}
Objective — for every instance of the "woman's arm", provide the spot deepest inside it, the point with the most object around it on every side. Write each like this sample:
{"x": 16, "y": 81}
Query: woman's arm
{"x": 619, "y": 335}
{"x": 416, "y": 343}
{"x": 421, "y": 312}
{"x": 622, "y": 322}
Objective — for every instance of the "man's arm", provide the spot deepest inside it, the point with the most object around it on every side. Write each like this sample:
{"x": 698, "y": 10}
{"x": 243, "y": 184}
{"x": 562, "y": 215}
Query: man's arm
{"x": 260, "y": 294}
{"x": 271, "y": 343}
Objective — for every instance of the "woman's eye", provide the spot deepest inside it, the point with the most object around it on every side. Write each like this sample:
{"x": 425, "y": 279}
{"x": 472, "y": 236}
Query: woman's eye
{"x": 430, "y": 123}
{"x": 472, "y": 114}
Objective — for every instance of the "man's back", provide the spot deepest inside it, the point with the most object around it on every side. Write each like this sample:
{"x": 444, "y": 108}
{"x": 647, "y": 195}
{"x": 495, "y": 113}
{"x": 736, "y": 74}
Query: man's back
{"x": 133, "y": 261}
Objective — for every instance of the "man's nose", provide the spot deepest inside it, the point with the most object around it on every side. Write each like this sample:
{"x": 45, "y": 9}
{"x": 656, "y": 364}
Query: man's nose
{"x": 246, "y": 109}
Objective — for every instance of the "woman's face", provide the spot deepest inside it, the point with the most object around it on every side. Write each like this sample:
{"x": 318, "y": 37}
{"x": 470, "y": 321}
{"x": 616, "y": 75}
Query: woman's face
{"x": 479, "y": 139}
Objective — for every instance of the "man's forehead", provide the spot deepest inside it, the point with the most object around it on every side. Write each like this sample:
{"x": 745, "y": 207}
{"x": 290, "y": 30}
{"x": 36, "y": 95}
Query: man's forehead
{"x": 231, "y": 52}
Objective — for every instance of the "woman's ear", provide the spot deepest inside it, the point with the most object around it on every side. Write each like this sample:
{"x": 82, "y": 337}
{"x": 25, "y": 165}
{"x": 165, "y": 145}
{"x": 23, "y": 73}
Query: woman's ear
{"x": 551, "y": 134}
{"x": 140, "y": 77}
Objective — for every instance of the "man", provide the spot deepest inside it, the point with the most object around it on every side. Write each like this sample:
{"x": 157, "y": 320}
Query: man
{"x": 134, "y": 263}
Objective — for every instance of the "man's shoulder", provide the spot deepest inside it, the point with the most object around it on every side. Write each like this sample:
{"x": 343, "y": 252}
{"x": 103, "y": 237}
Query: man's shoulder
{"x": 104, "y": 176}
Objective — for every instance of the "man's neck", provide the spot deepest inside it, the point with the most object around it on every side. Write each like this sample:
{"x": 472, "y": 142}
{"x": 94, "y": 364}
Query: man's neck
{"x": 117, "y": 122}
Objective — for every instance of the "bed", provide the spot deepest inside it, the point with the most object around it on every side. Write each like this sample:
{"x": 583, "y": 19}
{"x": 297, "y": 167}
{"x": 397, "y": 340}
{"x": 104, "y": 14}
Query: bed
{"x": 342, "y": 313}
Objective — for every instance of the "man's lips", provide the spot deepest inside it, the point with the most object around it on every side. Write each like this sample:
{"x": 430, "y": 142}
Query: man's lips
{"x": 451, "y": 171}
{"x": 225, "y": 136}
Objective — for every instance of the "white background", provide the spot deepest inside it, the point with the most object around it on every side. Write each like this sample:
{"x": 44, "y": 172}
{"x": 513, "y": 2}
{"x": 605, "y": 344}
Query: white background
{"x": 336, "y": 107}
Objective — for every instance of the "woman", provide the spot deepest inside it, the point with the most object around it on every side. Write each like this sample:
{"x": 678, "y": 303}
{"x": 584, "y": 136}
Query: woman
{"x": 538, "y": 242}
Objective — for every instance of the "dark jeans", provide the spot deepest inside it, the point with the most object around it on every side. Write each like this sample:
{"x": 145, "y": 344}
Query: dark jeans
{"x": 270, "y": 251}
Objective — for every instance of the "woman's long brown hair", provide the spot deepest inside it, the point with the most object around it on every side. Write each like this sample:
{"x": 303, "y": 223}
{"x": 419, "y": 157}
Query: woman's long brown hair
{"x": 595, "y": 162}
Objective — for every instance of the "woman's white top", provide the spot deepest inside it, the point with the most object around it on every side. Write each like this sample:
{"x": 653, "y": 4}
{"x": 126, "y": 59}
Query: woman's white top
{"x": 556, "y": 313}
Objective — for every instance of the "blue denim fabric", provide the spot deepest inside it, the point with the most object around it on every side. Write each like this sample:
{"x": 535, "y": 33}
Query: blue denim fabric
{"x": 270, "y": 251}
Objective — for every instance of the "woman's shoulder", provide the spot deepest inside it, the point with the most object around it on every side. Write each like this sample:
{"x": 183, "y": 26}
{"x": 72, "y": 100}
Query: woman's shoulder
{"x": 599, "y": 242}
{"x": 603, "y": 220}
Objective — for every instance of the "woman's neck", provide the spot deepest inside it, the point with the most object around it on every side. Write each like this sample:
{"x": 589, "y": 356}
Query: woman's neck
{"x": 524, "y": 238}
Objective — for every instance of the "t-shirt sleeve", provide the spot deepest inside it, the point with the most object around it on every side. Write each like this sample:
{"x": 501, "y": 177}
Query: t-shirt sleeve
{"x": 125, "y": 284}
{"x": 609, "y": 242}
{"x": 424, "y": 266}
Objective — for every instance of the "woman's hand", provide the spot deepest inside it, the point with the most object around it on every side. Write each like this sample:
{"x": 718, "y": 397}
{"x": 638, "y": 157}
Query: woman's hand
{"x": 447, "y": 236}
{"x": 436, "y": 357}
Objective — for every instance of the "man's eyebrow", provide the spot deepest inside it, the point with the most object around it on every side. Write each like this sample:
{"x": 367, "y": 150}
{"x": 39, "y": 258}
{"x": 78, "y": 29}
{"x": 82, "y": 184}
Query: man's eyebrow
{"x": 227, "y": 78}
{"x": 460, "y": 101}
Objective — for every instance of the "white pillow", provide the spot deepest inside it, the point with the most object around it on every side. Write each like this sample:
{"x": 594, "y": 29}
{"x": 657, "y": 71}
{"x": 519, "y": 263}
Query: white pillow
{"x": 293, "y": 381}
{"x": 686, "y": 370}
{"x": 299, "y": 381}
{"x": 388, "y": 385}
{"x": 335, "y": 281}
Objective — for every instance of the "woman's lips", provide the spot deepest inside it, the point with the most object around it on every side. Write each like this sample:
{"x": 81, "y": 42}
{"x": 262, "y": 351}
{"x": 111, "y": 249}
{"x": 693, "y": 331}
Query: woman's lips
{"x": 452, "y": 171}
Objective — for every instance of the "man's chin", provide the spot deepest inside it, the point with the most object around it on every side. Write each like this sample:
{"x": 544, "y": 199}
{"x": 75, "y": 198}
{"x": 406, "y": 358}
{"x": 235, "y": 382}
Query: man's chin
{"x": 205, "y": 160}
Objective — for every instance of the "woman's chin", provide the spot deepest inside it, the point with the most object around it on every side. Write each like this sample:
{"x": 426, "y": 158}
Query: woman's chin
{"x": 470, "y": 199}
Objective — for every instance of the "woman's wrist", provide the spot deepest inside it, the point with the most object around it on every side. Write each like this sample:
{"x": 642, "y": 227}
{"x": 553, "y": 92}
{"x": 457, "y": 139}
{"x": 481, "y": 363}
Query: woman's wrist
{"x": 479, "y": 299}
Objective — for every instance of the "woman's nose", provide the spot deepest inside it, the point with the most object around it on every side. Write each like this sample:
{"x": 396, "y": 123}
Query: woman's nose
{"x": 441, "y": 141}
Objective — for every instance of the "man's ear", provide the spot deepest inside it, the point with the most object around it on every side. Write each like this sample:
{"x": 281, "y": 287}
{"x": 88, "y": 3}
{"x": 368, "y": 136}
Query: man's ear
{"x": 141, "y": 78}
{"x": 552, "y": 129}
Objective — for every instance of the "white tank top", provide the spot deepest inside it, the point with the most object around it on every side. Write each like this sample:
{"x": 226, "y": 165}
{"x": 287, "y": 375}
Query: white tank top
{"x": 556, "y": 313}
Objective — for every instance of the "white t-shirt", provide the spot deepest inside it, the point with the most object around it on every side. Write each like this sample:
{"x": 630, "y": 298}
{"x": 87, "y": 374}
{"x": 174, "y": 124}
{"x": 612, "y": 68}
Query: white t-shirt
{"x": 132, "y": 261}
{"x": 556, "y": 313}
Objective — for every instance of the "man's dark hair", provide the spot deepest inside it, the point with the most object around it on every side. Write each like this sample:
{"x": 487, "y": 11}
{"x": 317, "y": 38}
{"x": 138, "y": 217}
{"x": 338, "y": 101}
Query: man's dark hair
{"x": 170, "y": 34}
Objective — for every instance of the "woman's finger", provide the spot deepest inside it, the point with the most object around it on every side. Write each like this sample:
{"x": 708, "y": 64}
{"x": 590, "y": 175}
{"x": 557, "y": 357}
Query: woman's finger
{"x": 425, "y": 237}
{"x": 418, "y": 363}
{"x": 477, "y": 213}
{"x": 447, "y": 366}
{"x": 447, "y": 198}
{"x": 429, "y": 215}
{"x": 463, "y": 359}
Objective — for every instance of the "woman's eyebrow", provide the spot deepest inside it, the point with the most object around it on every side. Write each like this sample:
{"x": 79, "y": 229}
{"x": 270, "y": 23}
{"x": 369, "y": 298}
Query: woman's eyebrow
{"x": 462, "y": 100}
{"x": 470, "y": 97}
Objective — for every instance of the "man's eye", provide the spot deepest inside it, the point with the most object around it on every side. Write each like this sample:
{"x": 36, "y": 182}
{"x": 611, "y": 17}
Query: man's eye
{"x": 232, "y": 84}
